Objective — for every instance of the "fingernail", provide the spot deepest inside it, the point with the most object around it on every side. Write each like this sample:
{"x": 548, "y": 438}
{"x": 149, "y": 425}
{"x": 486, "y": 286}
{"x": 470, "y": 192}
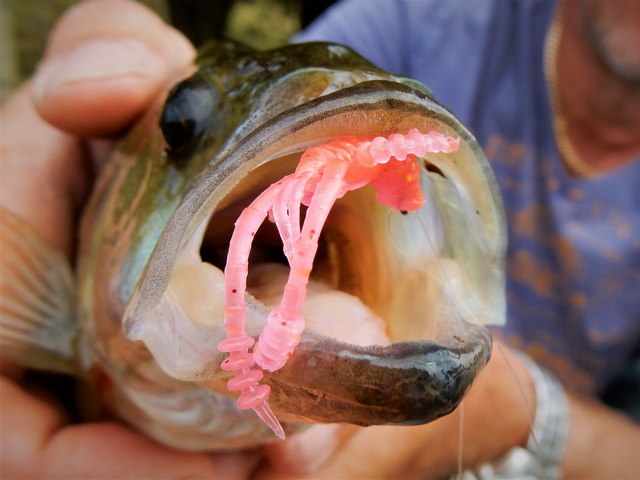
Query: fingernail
{"x": 97, "y": 60}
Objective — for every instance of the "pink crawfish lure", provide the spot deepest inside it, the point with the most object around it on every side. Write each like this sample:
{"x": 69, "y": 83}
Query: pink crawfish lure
{"x": 324, "y": 174}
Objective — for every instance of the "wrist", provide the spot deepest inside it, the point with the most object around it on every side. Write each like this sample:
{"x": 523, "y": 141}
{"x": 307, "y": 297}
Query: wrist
{"x": 551, "y": 423}
{"x": 541, "y": 454}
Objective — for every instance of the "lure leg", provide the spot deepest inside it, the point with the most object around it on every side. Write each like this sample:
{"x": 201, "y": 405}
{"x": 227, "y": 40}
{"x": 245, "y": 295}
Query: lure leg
{"x": 285, "y": 324}
{"x": 286, "y": 211}
{"x": 238, "y": 342}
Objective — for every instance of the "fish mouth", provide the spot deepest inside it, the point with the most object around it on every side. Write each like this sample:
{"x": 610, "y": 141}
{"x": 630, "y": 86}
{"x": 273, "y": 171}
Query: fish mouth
{"x": 396, "y": 301}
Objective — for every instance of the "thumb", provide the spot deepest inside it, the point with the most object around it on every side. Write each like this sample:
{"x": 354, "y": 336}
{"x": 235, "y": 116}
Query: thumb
{"x": 105, "y": 62}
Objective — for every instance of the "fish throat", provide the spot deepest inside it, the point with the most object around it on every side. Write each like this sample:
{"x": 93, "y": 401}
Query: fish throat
{"x": 324, "y": 174}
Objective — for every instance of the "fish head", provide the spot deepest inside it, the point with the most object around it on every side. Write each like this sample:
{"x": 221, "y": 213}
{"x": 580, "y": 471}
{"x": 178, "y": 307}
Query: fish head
{"x": 397, "y": 300}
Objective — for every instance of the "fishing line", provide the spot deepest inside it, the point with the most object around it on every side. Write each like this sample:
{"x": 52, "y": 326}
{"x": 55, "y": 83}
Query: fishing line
{"x": 528, "y": 408}
{"x": 446, "y": 276}
{"x": 468, "y": 312}
{"x": 460, "y": 439}
{"x": 416, "y": 213}
{"x": 530, "y": 418}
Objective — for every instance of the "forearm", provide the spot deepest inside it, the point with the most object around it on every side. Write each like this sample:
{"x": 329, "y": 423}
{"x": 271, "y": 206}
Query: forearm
{"x": 601, "y": 443}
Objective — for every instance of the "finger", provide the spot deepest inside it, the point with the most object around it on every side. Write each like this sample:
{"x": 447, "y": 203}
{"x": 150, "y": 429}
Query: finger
{"x": 307, "y": 451}
{"x": 109, "y": 450}
{"x": 44, "y": 173}
{"x": 371, "y": 453}
{"x": 36, "y": 444}
{"x": 105, "y": 62}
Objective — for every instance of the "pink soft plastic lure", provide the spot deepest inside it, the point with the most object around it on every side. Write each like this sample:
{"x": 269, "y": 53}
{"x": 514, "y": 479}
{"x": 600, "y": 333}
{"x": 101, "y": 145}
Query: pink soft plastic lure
{"x": 324, "y": 174}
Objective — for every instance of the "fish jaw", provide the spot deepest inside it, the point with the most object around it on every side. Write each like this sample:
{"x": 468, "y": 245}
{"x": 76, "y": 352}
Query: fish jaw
{"x": 405, "y": 383}
{"x": 185, "y": 348}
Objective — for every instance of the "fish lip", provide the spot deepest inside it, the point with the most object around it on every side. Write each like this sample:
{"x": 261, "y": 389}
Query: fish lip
{"x": 405, "y": 383}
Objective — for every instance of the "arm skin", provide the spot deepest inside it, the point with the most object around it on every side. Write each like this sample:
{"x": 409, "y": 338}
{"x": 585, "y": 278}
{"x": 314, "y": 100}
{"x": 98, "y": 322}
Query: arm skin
{"x": 46, "y": 175}
{"x": 602, "y": 443}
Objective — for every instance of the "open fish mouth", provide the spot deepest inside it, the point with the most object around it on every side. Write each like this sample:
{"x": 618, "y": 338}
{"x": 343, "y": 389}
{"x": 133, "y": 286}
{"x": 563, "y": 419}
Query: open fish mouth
{"x": 396, "y": 300}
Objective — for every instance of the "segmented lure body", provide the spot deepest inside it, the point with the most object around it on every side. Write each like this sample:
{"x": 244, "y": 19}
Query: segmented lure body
{"x": 324, "y": 174}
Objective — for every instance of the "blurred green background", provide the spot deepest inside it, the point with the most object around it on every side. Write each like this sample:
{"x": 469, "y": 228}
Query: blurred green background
{"x": 263, "y": 24}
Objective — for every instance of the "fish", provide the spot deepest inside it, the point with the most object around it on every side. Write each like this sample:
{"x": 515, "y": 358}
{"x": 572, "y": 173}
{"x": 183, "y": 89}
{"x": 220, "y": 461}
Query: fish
{"x": 397, "y": 301}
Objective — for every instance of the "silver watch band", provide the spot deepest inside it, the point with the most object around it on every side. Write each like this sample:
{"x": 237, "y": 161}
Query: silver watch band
{"x": 545, "y": 447}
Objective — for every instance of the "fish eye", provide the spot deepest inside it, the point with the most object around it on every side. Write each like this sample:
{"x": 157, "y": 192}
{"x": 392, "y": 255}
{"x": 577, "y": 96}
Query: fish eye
{"x": 187, "y": 113}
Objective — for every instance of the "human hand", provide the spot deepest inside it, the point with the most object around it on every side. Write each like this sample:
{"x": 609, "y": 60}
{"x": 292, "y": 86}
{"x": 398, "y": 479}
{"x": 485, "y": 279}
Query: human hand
{"x": 495, "y": 416}
{"x": 106, "y": 61}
